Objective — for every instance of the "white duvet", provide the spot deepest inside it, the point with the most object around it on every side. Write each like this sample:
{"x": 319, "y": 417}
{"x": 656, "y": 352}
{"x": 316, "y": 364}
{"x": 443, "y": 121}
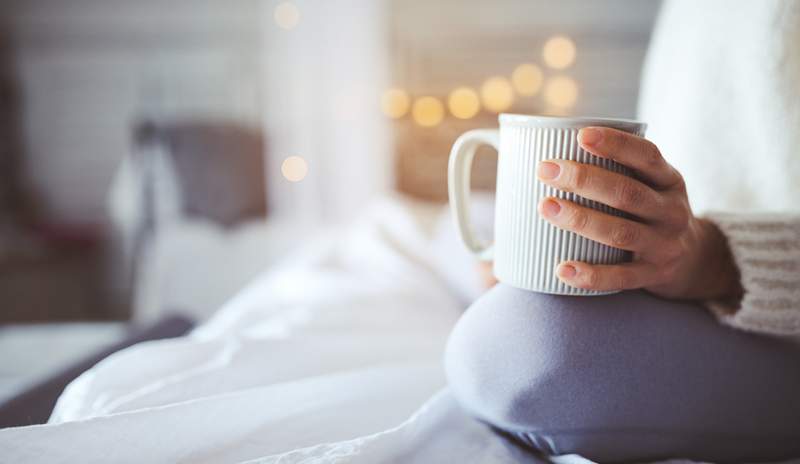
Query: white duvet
{"x": 333, "y": 356}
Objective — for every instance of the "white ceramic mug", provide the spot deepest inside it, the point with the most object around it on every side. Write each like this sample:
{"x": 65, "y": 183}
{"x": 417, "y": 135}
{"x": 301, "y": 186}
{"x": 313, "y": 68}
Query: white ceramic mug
{"x": 527, "y": 248}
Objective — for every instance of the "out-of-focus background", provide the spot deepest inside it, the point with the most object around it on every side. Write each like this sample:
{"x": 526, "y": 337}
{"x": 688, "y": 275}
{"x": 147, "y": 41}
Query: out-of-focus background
{"x": 156, "y": 155}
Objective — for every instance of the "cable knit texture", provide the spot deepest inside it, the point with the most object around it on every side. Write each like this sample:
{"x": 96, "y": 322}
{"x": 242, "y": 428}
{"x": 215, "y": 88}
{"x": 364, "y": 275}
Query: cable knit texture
{"x": 766, "y": 249}
{"x": 720, "y": 92}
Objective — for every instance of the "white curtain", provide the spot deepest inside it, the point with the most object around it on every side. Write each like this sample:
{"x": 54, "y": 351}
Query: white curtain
{"x": 323, "y": 81}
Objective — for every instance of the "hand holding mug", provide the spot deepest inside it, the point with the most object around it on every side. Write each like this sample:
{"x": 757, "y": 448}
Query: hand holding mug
{"x": 675, "y": 254}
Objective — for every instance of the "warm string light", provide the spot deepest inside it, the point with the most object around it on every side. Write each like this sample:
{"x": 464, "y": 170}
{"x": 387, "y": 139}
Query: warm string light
{"x": 561, "y": 92}
{"x": 497, "y": 94}
{"x": 559, "y": 52}
{"x": 286, "y": 15}
{"x": 294, "y": 168}
{"x": 428, "y": 111}
{"x": 463, "y": 103}
{"x": 395, "y": 103}
{"x": 527, "y": 79}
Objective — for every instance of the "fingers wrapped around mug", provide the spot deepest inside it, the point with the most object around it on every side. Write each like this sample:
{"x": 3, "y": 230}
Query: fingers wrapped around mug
{"x": 598, "y": 226}
{"x": 633, "y": 151}
{"x": 607, "y": 277}
{"x": 607, "y": 187}
{"x": 614, "y": 231}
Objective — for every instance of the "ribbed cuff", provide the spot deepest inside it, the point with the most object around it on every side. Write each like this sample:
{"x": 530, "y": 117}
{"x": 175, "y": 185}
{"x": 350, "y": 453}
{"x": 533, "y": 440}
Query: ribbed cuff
{"x": 766, "y": 249}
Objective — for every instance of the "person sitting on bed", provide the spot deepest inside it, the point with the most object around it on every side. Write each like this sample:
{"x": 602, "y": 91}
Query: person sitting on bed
{"x": 652, "y": 374}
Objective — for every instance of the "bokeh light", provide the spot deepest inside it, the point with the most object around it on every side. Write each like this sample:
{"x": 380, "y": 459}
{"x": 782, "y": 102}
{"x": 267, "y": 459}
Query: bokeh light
{"x": 294, "y": 168}
{"x": 497, "y": 94}
{"x": 395, "y": 103}
{"x": 463, "y": 103}
{"x": 286, "y": 15}
{"x": 427, "y": 111}
{"x": 561, "y": 91}
{"x": 527, "y": 79}
{"x": 559, "y": 52}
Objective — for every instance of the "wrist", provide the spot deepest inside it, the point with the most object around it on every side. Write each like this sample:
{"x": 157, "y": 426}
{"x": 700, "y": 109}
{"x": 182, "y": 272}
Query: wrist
{"x": 721, "y": 274}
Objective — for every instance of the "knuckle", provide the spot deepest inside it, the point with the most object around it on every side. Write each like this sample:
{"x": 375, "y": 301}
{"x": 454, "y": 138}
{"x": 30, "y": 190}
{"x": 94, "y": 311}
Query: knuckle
{"x": 624, "y": 280}
{"x": 619, "y": 140}
{"x": 675, "y": 213}
{"x": 681, "y": 217}
{"x": 629, "y": 195}
{"x": 577, "y": 220}
{"x": 671, "y": 253}
{"x": 652, "y": 154}
{"x": 677, "y": 182}
{"x": 580, "y": 178}
{"x": 591, "y": 278}
{"x": 668, "y": 272}
{"x": 680, "y": 183}
{"x": 624, "y": 235}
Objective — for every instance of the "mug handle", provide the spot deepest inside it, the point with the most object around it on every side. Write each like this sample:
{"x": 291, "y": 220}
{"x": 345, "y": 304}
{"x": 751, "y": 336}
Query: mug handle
{"x": 458, "y": 180}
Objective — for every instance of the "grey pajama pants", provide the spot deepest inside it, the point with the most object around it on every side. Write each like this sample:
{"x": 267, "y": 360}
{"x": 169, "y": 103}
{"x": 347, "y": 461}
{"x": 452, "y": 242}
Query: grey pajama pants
{"x": 625, "y": 377}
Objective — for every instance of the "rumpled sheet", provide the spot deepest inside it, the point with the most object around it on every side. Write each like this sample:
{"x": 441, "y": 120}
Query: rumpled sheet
{"x": 333, "y": 356}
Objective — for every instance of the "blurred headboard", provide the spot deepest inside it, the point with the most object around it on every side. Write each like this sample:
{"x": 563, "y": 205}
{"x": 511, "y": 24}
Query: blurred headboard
{"x": 218, "y": 167}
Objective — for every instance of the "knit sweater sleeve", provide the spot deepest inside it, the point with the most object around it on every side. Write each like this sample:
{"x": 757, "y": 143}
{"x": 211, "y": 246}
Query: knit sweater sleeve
{"x": 766, "y": 248}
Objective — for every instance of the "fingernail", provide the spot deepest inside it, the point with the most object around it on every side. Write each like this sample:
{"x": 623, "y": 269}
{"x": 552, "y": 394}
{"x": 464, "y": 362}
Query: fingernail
{"x": 567, "y": 271}
{"x": 590, "y": 136}
{"x": 550, "y": 208}
{"x": 548, "y": 170}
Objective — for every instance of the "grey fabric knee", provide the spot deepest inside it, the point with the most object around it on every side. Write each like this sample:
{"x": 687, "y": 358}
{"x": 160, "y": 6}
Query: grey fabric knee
{"x": 625, "y": 377}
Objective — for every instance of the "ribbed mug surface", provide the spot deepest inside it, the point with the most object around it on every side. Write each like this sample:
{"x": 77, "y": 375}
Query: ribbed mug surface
{"x": 527, "y": 248}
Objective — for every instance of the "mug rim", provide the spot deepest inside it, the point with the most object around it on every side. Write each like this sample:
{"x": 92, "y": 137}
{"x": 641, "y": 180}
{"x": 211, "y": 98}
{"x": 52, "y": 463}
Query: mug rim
{"x": 569, "y": 121}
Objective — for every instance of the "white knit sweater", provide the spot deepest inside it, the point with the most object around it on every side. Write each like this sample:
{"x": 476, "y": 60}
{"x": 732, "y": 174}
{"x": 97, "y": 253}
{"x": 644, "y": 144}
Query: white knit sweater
{"x": 721, "y": 94}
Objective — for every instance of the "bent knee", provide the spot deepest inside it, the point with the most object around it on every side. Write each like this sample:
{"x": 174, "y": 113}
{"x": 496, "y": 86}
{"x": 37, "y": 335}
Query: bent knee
{"x": 507, "y": 355}
{"x": 525, "y": 360}
{"x": 612, "y": 369}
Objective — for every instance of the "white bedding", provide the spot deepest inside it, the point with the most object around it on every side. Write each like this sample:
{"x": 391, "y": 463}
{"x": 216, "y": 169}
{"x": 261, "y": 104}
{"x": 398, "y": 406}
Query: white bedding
{"x": 334, "y": 356}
